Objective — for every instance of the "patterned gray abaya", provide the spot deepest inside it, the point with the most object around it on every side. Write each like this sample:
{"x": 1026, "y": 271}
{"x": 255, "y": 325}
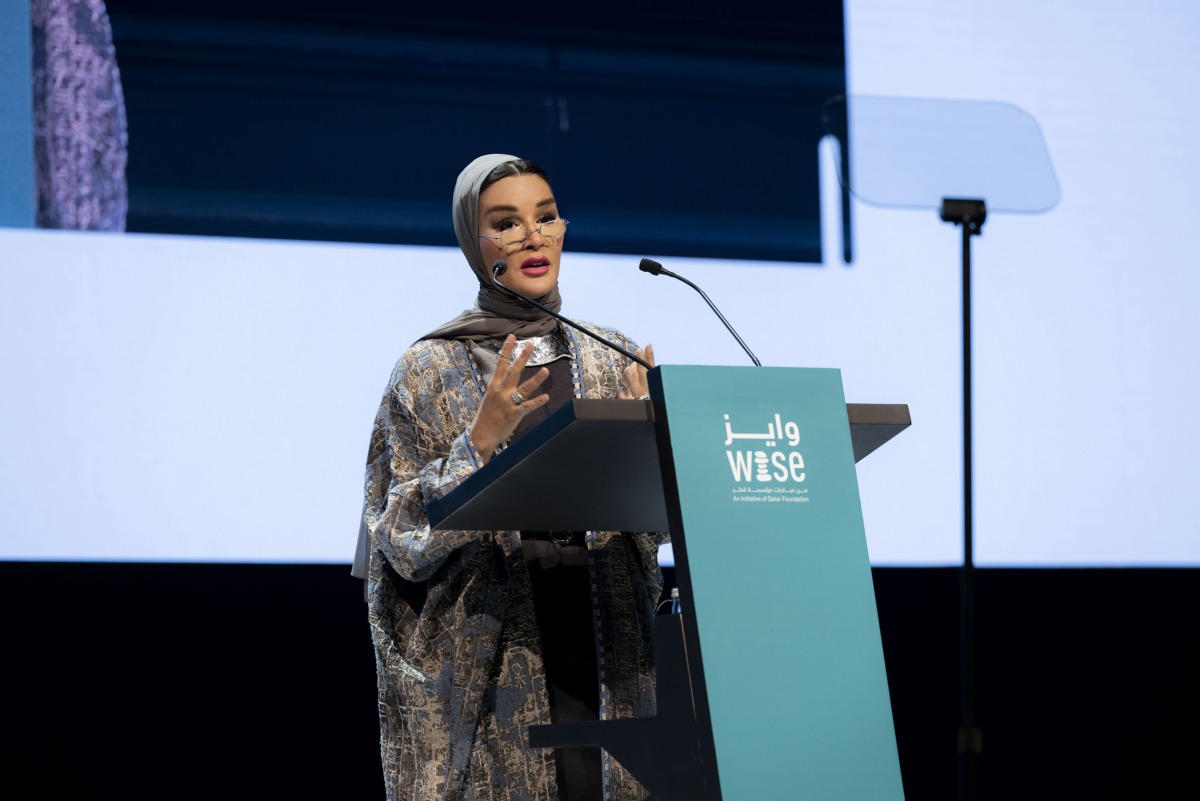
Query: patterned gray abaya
{"x": 456, "y": 639}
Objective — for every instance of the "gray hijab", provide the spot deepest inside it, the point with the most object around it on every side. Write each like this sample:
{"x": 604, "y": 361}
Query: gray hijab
{"x": 495, "y": 313}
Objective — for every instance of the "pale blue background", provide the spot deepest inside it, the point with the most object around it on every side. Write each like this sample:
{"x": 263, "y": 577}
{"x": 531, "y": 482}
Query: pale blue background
{"x": 175, "y": 398}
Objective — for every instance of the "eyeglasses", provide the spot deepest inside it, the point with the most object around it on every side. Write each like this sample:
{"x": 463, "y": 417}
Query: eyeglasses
{"x": 515, "y": 237}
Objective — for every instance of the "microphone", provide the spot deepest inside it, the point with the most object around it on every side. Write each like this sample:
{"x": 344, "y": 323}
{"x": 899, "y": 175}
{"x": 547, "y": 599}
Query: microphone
{"x": 654, "y": 268}
{"x": 500, "y": 266}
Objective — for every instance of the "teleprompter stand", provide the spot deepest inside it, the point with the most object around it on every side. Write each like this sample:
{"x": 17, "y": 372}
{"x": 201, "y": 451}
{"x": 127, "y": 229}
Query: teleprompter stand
{"x": 770, "y": 680}
{"x": 966, "y": 158}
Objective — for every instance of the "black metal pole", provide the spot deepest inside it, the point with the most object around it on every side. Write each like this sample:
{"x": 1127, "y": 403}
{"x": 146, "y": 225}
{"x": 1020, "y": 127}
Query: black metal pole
{"x": 969, "y": 214}
{"x": 969, "y": 744}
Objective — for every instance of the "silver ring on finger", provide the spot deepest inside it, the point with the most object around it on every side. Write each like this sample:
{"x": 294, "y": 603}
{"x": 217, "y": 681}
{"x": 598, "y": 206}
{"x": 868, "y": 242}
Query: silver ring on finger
{"x": 517, "y": 397}
{"x": 523, "y": 410}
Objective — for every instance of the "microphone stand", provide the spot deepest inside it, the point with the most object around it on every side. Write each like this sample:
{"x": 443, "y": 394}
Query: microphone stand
{"x": 499, "y": 268}
{"x": 654, "y": 268}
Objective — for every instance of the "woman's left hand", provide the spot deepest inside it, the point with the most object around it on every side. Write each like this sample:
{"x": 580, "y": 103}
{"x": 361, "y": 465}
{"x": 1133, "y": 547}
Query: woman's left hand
{"x": 635, "y": 375}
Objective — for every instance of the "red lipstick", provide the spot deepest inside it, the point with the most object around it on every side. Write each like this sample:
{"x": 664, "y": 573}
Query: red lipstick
{"x": 535, "y": 266}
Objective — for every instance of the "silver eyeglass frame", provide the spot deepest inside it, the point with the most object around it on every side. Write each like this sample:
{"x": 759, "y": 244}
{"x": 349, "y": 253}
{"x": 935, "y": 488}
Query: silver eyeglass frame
{"x": 528, "y": 233}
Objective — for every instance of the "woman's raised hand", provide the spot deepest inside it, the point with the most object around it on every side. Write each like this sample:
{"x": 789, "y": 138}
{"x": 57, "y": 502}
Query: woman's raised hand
{"x": 635, "y": 375}
{"x": 506, "y": 399}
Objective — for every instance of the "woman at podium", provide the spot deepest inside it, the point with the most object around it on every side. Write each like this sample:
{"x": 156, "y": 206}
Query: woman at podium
{"x": 480, "y": 634}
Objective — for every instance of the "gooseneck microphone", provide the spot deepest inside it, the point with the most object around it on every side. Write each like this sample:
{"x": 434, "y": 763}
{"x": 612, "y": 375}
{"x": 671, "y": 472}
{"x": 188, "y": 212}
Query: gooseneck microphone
{"x": 654, "y": 268}
{"x": 500, "y": 266}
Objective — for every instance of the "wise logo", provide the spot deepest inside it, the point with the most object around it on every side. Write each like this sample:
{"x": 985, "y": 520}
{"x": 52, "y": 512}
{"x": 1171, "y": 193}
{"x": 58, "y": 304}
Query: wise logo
{"x": 773, "y": 457}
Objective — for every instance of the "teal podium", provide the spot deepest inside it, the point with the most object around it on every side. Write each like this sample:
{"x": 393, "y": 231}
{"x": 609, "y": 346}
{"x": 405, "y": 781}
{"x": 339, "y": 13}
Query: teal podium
{"x": 770, "y": 678}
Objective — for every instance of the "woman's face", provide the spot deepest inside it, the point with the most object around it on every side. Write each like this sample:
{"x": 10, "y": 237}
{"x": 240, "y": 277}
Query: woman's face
{"x": 521, "y": 201}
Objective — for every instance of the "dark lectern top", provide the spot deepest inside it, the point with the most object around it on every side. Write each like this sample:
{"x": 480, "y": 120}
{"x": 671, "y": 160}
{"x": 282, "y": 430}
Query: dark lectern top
{"x": 621, "y": 491}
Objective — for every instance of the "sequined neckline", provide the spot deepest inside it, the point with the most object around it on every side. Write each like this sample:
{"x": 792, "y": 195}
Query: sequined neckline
{"x": 546, "y": 348}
